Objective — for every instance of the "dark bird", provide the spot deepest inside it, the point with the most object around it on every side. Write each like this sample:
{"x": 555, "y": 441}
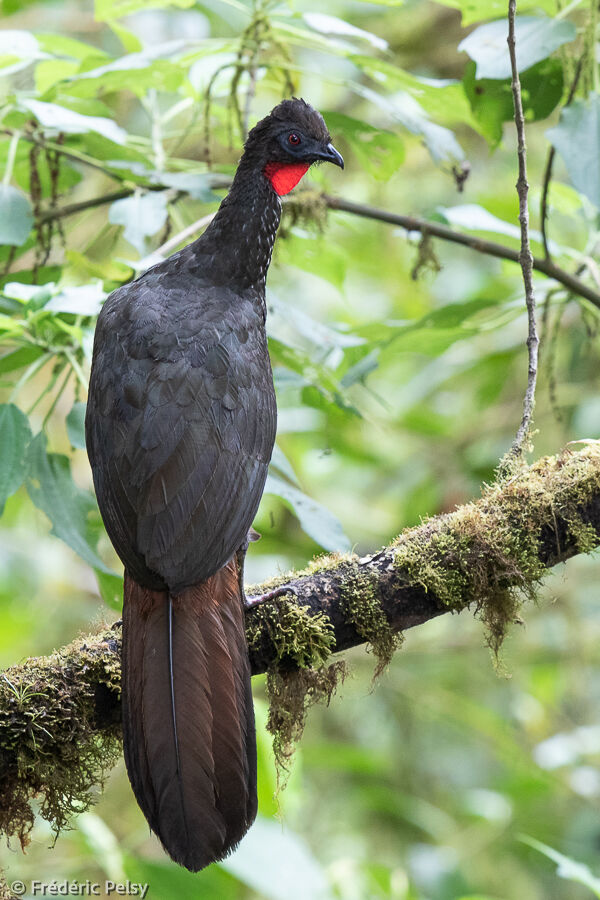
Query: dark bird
{"x": 180, "y": 427}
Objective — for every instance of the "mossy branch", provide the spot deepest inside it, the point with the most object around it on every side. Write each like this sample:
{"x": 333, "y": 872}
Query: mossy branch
{"x": 60, "y": 717}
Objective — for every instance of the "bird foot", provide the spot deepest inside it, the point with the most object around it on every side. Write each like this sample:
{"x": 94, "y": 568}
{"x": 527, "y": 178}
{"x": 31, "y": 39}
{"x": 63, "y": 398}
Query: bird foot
{"x": 251, "y": 602}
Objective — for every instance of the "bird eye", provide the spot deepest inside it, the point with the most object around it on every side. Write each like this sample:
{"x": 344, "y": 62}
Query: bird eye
{"x": 294, "y": 139}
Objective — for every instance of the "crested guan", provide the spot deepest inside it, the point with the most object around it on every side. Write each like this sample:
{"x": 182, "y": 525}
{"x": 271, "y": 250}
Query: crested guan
{"x": 180, "y": 427}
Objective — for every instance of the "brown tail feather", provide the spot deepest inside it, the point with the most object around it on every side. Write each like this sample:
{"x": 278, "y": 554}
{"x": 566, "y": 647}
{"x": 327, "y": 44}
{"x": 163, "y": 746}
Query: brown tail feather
{"x": 188, "y": 719}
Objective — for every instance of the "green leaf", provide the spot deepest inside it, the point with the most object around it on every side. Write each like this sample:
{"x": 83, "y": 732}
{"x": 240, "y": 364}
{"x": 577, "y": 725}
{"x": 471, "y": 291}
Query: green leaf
{"x": 172, "y": 882}
{"x": 196, "y": 184}
{"x": 380, "y": 153}
{"x": 63, "y": 45}
{"x": 567, "y": 868}
{"x": 277, "y": 864}
{"x": 280, "y": 463}
{"x": 107, "y": 10}
{"x": 15, "y": 435}
{"x": 477, "y": 218}
{"x": 141, "y": 215}
{"x": 577, "y": 139}
{"x": 536, "y": 38}
{"x": 49, "y": 72}
{"x": 19, "y": 358}
{"x": 477, "y": 10}
{"x": 131, "y": 42}
{"x": 35, "y": 295}
{"x": 408, "y": 112}
{"x": 492, "y": 101}
{"x": 317, "y": 521}
{"x": 76, "y": 425}
{"x": 82, "y": 300}
{"x": 102, "y": 843}
{"x": 111, "y": 588}
{"x": 16, "y": 216}
{"x": 17, "y": 50}
{"x": 52, "y": 489}
{"x": 137, "y": 72}
{"x": 442, "y": 99}
{"x": 51, "y": 115}
{"x": 326, "y": 24}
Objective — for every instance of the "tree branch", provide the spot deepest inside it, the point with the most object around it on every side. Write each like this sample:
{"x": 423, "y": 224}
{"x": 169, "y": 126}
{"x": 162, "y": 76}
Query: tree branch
{"x": 60, "y": 715}
{"x": 409, "y": 223}
{"x": 525, "y": 256}
{"x": 489, "y": 248}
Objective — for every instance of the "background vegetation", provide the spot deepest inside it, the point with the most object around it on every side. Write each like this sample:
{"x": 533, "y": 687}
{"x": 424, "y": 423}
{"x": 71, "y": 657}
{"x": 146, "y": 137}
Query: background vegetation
{"x": 400, "y": 367}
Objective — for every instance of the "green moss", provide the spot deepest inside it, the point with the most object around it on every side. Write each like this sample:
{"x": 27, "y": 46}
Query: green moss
{"x": 299, "y": 638}
{"x": 299, "y": 675}
{"x": 290, "y": 695}
{"x": 54, "y": 746}
{"x": 360, "y": 599}
{"x": 317, "y": 566}
{"x": 486, "y": 554}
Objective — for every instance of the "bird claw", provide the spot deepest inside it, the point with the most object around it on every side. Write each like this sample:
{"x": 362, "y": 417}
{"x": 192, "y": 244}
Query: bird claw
{"x": 251, "y": 602}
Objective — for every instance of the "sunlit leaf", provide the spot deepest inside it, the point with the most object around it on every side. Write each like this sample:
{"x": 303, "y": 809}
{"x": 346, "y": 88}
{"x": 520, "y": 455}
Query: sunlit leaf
{"x": 51, "y": 115}
{"x": 280, "y": 463}
{"x": 278, "y": 864}
{"x": 76, "y": 425}
{"x": 106, "y": 10}
{"x": 84, "y": 300}
{"x": 536, "y": 37}
{"x": 141, "y": 215}
{"x": 103, "y": 843}
{"x": 478, "y": 10}
{"x": 65, "y": 45}
{"x": 566, "y": 867}
{"x": 16, "y": 216}
{"x": 476, "y": 218}
{"x": 327, "y": 24}
{"x": 172, "y": 882}
{"x": 17, "y": 50}
{"x": 317, "y": 521}
{"x": 577, "y": 139}
{"x": 403, "y": 108}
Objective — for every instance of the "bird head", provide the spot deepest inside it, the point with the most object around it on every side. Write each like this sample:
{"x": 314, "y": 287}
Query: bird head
{"x": 288, "y": 141}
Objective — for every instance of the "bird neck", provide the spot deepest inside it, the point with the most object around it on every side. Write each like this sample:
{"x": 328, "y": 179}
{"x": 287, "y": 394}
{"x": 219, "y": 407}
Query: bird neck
{"x": 245, "y": 227}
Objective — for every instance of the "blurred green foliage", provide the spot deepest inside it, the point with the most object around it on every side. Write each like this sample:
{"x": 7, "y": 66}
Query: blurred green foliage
{"x": 400, "y": 367}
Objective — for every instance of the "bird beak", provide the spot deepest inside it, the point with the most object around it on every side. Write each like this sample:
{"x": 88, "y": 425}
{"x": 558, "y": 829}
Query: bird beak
{"x": 330, "y": 154}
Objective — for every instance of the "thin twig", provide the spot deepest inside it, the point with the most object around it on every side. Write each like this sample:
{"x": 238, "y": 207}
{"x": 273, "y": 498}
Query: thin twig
{"x": 549, "y": 166}
{"x": 177, "y": 239}
{"x": 525, "y": 256}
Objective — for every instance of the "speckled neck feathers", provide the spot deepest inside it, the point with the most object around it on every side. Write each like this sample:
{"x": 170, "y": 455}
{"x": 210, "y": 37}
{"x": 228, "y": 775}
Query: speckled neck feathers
{"x": 239, "y": 242}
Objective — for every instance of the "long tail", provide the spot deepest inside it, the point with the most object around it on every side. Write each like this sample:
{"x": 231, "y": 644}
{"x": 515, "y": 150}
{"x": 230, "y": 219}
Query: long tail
{"x": 188, "y": 719}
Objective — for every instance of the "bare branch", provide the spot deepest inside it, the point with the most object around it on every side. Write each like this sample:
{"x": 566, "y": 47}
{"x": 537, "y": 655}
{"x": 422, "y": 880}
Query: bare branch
{"x": 525, "y": 256}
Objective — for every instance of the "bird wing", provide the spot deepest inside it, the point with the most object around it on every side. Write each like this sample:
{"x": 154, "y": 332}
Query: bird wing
{"x": 181, "y": 423}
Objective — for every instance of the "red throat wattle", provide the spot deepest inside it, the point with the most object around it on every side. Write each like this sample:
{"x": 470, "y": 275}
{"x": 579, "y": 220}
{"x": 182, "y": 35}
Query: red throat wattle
{"x": 285, "y": 176}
